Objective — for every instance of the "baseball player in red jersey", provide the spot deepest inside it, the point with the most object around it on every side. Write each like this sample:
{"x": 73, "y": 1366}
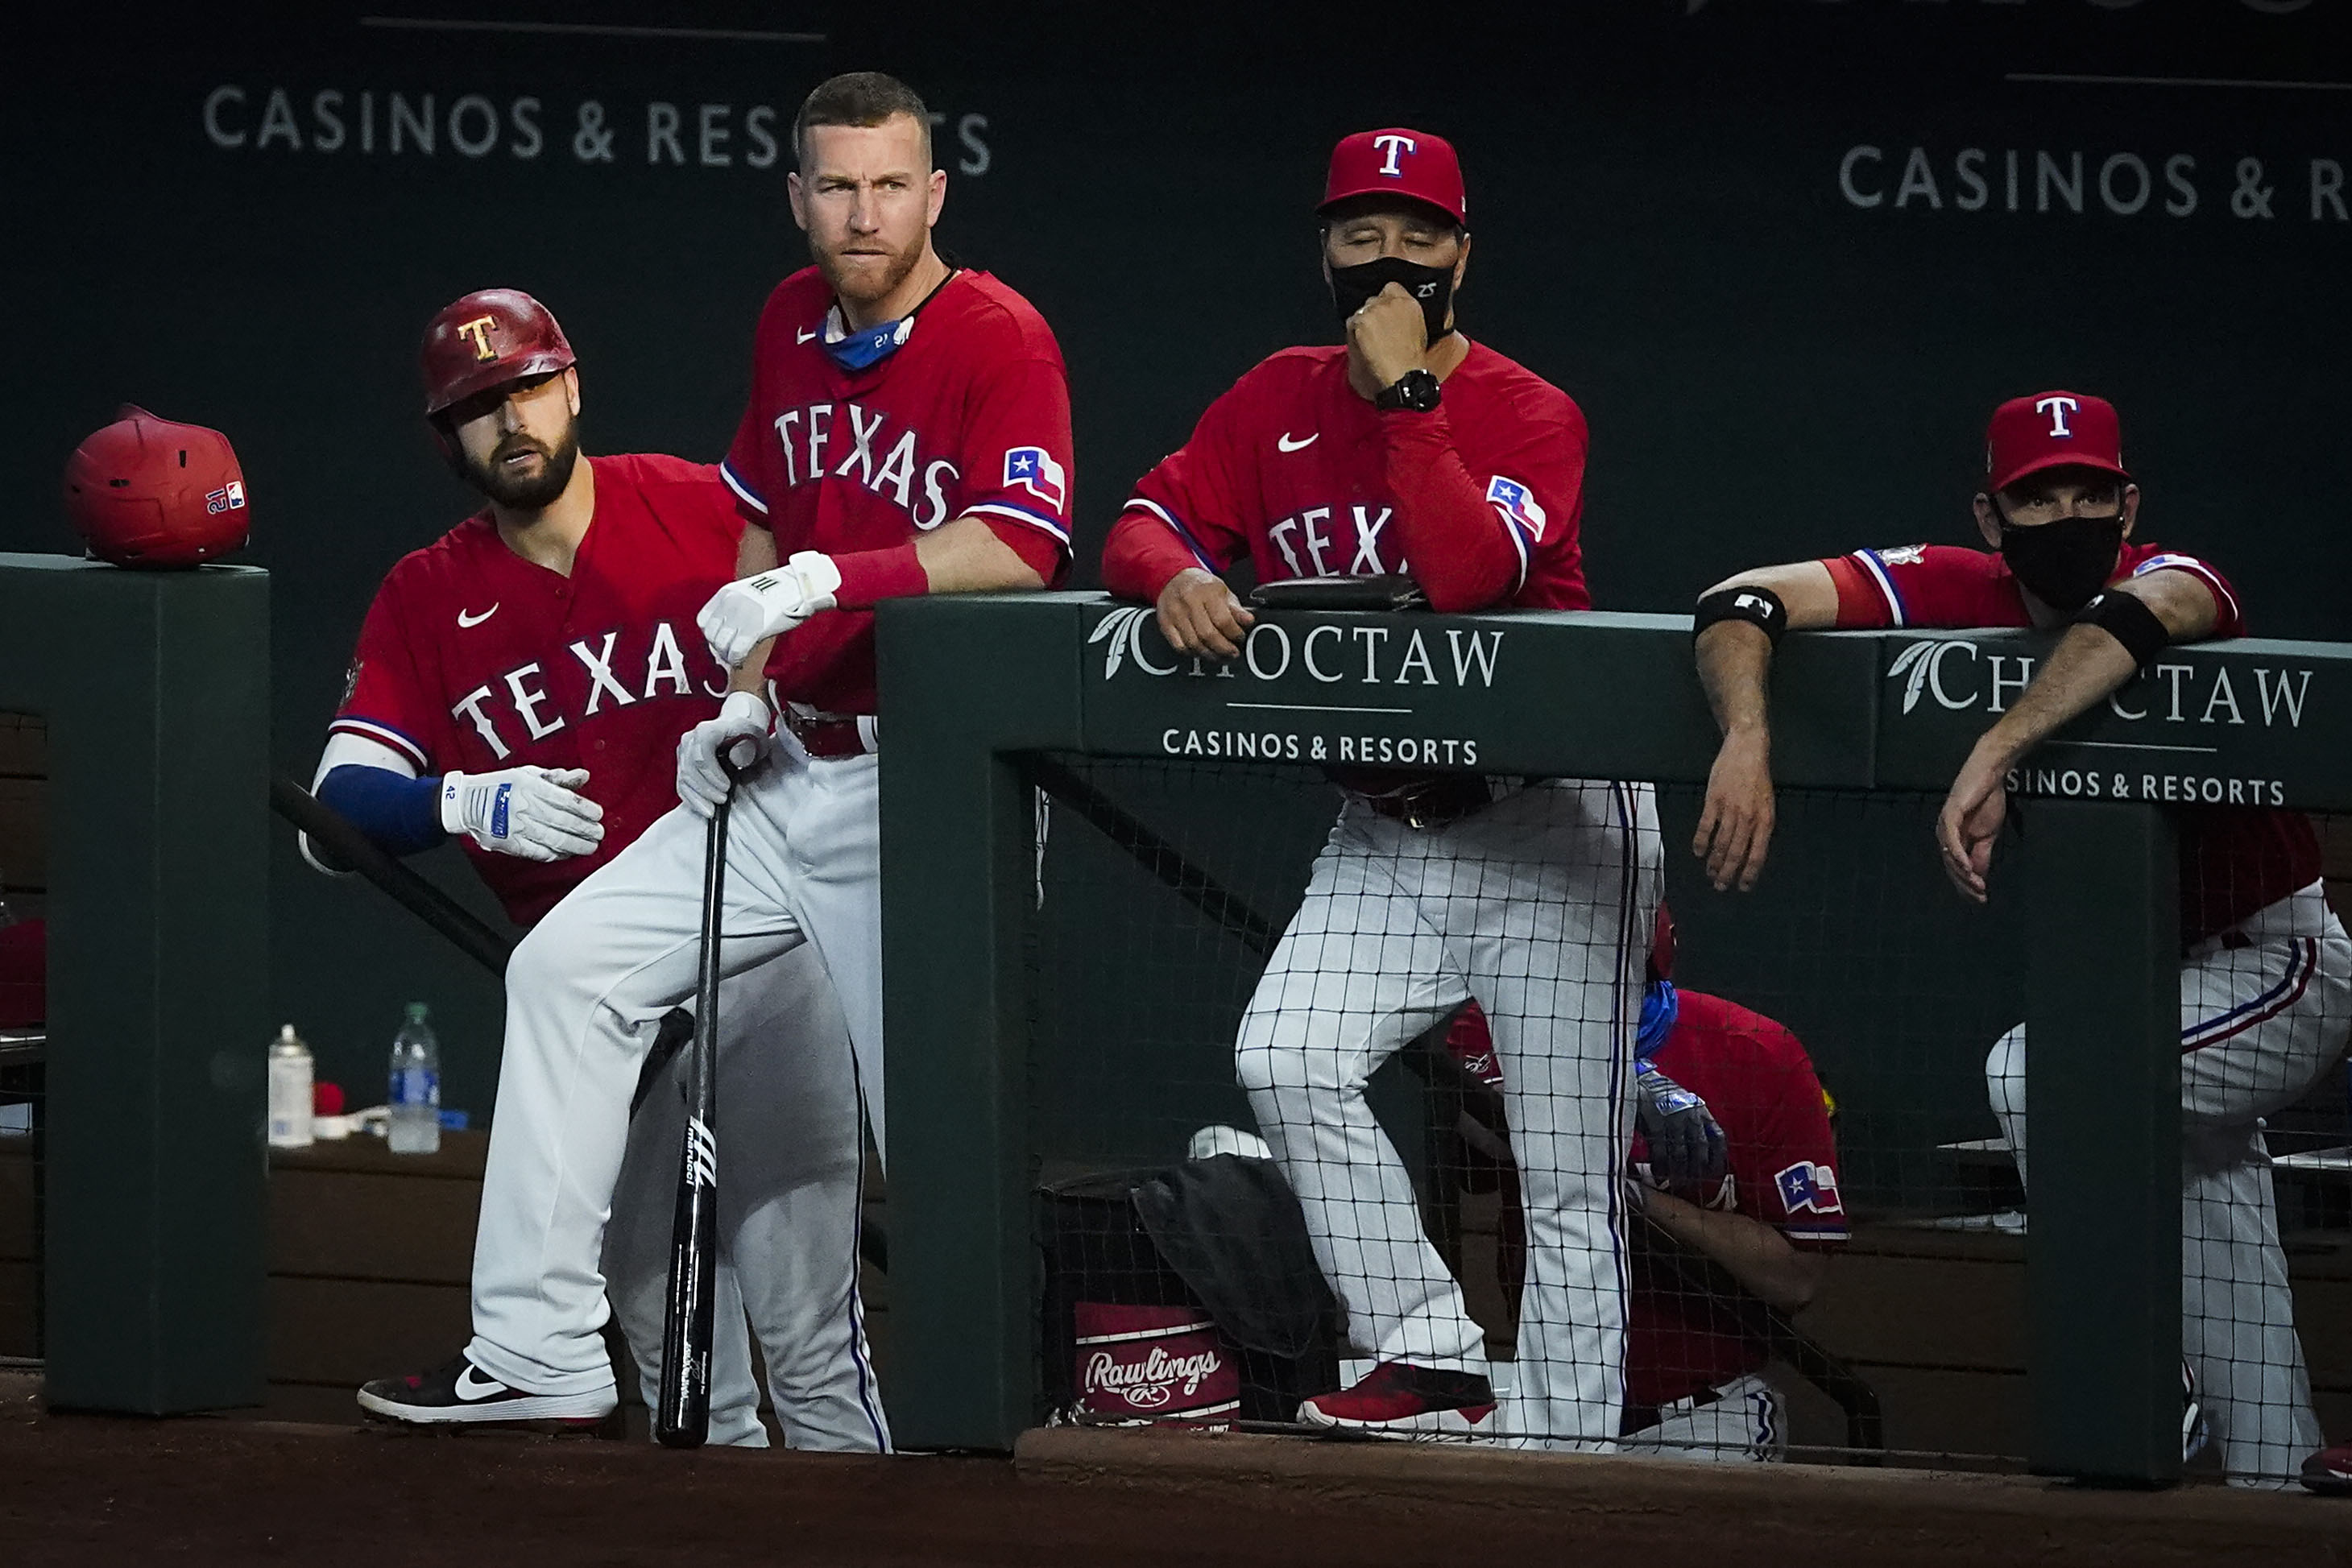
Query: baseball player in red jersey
{"x": 1412, "y": 449}
{"x": 522, "y": 682}
{"x": 2266, "y": 971}
{"x": 1694, "y": 1386}
{"x": 908, "y": 432}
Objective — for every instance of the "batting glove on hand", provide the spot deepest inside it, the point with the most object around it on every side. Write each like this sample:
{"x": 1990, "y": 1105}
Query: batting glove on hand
{"x": 743, "y": 723}
{"x": 745, "y": 612}
{"x": 1686, "y": 1142}
{"x": 531, "y": 813}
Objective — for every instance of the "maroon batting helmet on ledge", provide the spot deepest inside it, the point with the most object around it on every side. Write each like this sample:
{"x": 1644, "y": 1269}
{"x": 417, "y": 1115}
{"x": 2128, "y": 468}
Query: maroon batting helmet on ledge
{"x": 489, "y": 337}
{"x": 149, "y": 492}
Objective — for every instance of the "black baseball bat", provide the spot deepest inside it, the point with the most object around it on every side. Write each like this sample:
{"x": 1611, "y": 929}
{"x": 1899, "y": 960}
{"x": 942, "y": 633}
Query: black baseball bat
{"x": 342, "y": 841}
{"x": 683, "y": 1420}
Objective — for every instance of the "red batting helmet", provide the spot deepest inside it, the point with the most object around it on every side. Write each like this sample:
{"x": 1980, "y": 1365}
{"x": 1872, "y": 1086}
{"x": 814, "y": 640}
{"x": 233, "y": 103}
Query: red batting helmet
{"x": 489, "y": 337}
{"x": 147, "y": 492}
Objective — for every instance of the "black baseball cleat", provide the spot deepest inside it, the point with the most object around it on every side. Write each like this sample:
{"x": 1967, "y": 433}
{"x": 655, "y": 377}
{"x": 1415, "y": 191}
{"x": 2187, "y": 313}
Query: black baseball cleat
{"x": 458, "y": 1392}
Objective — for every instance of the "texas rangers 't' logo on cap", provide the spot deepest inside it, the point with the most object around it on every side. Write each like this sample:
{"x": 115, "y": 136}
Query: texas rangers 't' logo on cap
{"x": 1397, "y": 161}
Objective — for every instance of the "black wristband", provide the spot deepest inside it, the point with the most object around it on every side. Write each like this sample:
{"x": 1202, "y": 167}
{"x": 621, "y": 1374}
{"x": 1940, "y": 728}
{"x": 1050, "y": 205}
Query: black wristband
{"x": 1760, "y": 607}
{"x": 2127, "y": 619}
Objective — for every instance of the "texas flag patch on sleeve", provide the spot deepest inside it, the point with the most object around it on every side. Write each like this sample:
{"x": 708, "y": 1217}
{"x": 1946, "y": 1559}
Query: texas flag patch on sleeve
{"x": 1512, "y": 499}
{"x": 1809, "y": 1187}
{"x": 1035, "y": 469}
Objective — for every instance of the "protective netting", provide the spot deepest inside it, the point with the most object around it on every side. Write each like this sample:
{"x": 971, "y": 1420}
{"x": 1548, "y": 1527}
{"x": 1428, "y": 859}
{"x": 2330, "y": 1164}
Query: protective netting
{"x": 23, "y": 766}
{"x": 1268, "y": 1167}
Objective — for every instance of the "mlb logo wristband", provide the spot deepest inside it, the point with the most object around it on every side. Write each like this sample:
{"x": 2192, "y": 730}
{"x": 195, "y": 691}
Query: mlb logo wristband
{"x": 1758, "y": 606}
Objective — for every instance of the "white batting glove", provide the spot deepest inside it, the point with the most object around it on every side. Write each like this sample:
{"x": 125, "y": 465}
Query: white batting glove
{"x": 745, "y": 612}
{"x": 743, "y": 724}
{"x": 531, "y": 813}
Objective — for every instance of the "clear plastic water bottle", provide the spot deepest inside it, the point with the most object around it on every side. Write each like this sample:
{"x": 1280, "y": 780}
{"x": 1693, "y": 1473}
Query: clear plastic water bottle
{"x": 291, "y": 1076}
{"x": 415, "y": 1097}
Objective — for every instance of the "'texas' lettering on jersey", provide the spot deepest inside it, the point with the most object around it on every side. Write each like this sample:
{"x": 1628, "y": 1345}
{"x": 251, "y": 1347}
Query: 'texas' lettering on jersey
{"x": 516, "y": 706}
{"x": 846, "y": 441}
{"x": 1336, "y": 542}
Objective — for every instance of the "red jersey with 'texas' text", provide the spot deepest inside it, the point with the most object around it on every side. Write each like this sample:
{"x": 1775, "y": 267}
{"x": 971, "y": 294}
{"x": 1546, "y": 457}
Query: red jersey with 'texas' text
{"x": 473, "y": 659}
{"x": 1294, "y": 469}
{"x": 971, "y": 416}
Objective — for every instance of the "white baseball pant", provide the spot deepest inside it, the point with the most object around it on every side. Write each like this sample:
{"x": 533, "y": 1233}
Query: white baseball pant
{"x": 585, "y": 992}
{"x": 2264, "y": 1010}
{"x": 769, "y": 1128}
{"x": 1539, "y": 906}
{"x": 1742, "y": 1422}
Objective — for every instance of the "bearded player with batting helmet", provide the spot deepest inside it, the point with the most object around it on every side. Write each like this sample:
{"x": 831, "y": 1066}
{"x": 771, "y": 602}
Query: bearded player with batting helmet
{"x": 1411, "y": 449}
{"x": 2265, "y": 968}
{"x": 520, "y": 684}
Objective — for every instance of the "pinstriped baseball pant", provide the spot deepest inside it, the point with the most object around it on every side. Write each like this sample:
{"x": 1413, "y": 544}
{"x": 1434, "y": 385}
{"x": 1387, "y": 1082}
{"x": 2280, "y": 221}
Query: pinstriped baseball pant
{"x": 1540, "y": 907}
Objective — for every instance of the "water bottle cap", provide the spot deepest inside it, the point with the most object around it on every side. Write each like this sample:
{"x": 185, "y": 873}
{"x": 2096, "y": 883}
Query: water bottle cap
{"x": 285, "y": 1034}
{"x": 417, "y": 1012}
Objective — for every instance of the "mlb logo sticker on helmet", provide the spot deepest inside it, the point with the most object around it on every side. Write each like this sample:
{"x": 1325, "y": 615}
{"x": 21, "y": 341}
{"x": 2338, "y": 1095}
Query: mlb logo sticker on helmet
{"x": 149, "y": 492}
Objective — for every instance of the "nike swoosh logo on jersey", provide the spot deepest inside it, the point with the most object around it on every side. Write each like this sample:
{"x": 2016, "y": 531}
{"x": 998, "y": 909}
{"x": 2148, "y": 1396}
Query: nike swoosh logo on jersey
{"x": 472, "y": 1386}
{"x": 1286, "y": 443}
{"x": 804, "y": 337}
{"x": 465, "y": 620}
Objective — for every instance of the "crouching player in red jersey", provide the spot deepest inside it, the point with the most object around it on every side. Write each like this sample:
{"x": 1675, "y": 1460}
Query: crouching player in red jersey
{"x": 908, "y": 432}
{"x": 2266, "y": 971}
{"x": 1411, "y": 449}
{"x": 521, "y": 683}
{"x": 1695, "y": 1384}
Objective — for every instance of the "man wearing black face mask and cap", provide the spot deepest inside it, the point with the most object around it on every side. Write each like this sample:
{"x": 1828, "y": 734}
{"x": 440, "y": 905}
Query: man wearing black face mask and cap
{"x": 1410, "y": 450}
{"x": 2265, "y": 971}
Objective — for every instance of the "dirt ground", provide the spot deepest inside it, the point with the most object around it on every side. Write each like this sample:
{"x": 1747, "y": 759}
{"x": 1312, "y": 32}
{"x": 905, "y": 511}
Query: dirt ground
{"x": 84, "y": 1490}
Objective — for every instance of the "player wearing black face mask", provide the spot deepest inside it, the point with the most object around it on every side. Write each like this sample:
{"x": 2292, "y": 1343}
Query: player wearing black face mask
{"x": 1410, "y": 450}
{"x": 2265, "y": 967}
{"x": 2061, "y": 535}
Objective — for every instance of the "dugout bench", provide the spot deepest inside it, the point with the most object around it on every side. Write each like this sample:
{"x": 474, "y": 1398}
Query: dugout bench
{"x": 976, "y": 689}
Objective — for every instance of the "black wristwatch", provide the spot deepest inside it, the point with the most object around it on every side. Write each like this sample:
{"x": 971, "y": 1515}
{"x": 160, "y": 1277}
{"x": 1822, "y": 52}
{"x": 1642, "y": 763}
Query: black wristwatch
{"x": 1416, "y": 390}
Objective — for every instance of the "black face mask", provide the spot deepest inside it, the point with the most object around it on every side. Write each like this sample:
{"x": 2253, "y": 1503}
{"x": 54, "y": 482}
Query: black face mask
{"x": 1431, "y": 285}
{"x": 2062, "y": 563}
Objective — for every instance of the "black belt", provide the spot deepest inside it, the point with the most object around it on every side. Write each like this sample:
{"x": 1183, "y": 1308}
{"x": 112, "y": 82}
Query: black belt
{"x": 1422, "y": 802}
{"x": 827, "y": 738}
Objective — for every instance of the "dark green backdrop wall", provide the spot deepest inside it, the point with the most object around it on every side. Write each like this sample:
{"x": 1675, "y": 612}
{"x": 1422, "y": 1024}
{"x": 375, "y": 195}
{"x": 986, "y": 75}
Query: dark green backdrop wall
{"x": 1770, "y": 245}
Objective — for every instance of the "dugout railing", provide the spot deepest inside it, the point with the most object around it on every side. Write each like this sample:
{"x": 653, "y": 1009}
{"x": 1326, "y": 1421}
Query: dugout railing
{"x": 989, "y": 698}
{"x": 155, "y": 689}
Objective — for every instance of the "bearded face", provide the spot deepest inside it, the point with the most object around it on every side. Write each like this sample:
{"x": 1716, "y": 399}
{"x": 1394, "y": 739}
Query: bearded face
{"x": 517, "y": 445}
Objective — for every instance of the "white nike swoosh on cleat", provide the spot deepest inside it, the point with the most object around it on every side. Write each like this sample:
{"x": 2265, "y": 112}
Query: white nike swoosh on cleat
{"x": 1286, "y": 443}
{"x": 465, "y": 620}
{"x": 472, "y": 1386}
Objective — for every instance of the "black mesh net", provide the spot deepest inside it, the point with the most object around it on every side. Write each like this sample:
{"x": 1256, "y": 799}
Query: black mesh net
{"x": 23, "y": 1029}
{"x": 1427, "y": 1154}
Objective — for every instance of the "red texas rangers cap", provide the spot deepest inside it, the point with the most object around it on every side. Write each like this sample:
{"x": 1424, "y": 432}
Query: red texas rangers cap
{"x": 1397, "y": 162}
{"x": 2053, "y": 430}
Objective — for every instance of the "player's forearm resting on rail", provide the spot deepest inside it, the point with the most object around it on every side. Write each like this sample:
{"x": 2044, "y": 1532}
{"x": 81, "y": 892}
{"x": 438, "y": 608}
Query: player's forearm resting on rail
{"x": 1735, "y": 666}
{"x": 1755, "y": 1254}
{"x": 2090, "y": 664}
